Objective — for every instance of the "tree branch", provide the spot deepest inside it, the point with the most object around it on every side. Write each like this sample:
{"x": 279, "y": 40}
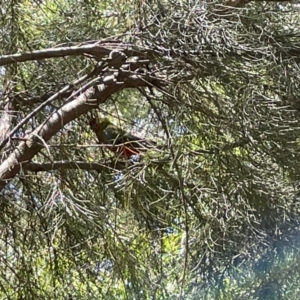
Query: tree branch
{"x": 36, "y": 167}
{"x": 49, "y": 100}
{"x": 241, "y": 3}
{"x": 98, "y": 50}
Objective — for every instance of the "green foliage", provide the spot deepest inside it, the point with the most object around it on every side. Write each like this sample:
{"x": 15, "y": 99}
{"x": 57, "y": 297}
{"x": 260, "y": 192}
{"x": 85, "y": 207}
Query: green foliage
{"x": 214, "y": 213}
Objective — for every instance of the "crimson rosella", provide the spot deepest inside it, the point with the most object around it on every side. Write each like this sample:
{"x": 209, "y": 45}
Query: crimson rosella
{"x": 117, "y": 140}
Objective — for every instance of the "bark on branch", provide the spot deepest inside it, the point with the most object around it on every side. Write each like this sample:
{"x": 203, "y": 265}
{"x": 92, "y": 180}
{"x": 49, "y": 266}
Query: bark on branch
{"x": 97, "y": 50}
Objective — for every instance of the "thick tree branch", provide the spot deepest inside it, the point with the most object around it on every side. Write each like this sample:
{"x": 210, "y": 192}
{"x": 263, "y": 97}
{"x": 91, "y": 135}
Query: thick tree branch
{"x": 50, "y": 99}
{"x": 98, "y": 50}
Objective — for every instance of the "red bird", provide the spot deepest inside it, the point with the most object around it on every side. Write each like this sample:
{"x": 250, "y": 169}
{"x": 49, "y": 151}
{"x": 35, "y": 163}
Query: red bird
{"x": 117, "y": 140}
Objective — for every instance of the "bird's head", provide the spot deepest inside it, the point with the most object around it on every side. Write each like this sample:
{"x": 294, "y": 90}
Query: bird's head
{"x": 97, "y": 125}
{"x": 104, "y": 123}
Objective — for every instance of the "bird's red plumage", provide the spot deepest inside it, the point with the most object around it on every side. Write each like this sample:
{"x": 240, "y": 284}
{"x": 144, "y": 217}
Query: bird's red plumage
{"x": 125, "y": 149}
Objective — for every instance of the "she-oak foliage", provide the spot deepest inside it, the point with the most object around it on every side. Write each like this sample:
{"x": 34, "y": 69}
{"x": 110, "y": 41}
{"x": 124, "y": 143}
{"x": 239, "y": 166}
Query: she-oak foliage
{"x": 214, "y": 214}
